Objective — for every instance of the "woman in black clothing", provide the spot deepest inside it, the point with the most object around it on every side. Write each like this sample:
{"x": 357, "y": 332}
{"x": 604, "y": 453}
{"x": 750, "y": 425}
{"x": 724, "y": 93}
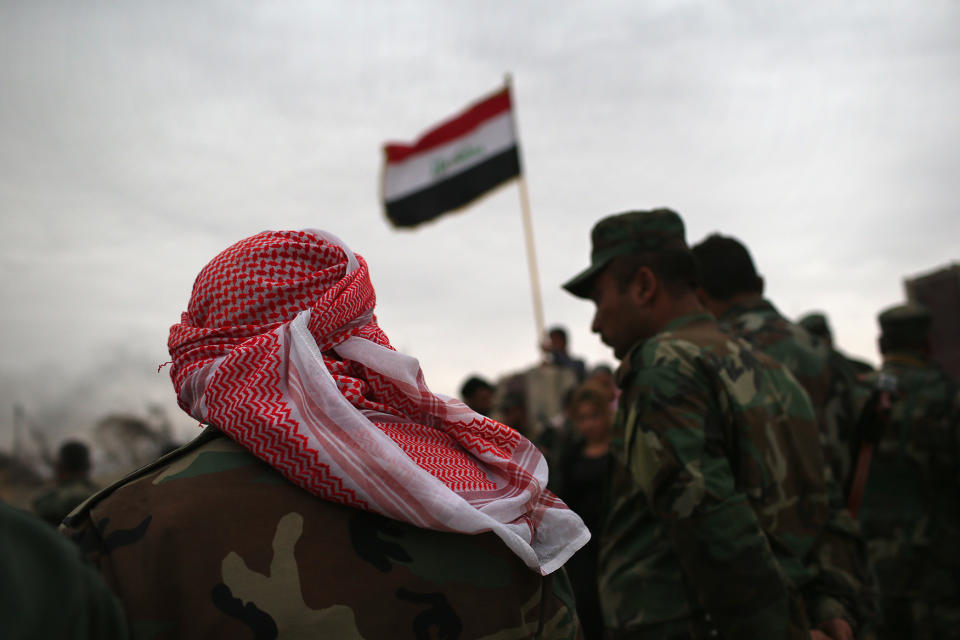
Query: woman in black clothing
{"x": 582, "y": 474}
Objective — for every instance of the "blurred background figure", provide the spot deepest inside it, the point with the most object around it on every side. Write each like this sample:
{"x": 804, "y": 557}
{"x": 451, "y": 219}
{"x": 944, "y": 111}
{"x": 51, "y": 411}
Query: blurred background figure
{"x": 911, "y": 504}
{"x": 557, "y": 438}
{"x": 580, "y": 472}
{"x": 512, "y": 406}
{"x": 603, "y": 376}
{"x": 547, "y": 389}
{"x": 72, "y": 483}
{"x": 555, "y": 352}
{"x": 731, "y": 288}
{"x": 733, "y": 291}
{"x": 817, "y": 325}
{"x": 477, "y": 394}
{"x": 48, "y": 591}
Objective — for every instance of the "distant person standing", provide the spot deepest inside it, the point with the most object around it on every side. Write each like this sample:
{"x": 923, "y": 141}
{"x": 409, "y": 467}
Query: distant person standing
{"x": 603, "y": 375}
{"x": 582, "y": 473}
{"x": 512, "y": 411}
{"x": 843, "y": 599}
{"x": 732, "y": 290}
{"x": 911, "y": 503}
{"x": 547, "y": 388}
{"x": 555, "y": 349}
{"x": 73, "y": 484}
{"x": 477, "y": 394}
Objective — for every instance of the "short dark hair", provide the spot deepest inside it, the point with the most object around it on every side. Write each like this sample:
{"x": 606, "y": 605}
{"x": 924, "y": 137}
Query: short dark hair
{"x": 558, "y": 331}
{"x": 726, "y": 268}
{"x": 73, "y": 457}
{"x": 676, "y": 268}
{"x": 472, "y": 385}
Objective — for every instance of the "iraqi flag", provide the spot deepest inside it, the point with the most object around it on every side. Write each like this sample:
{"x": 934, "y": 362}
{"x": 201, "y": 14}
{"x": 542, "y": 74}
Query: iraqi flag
{"x": 453, "y": 164}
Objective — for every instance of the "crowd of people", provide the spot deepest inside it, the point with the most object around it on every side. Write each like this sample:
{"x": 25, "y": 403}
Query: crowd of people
{"x": 736, "y": 476}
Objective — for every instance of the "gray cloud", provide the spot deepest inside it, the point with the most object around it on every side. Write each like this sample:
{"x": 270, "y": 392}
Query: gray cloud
{"x": 140, "y": 139}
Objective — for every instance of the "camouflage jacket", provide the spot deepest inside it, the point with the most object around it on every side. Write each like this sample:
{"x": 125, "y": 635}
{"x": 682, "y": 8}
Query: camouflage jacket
{"x": 829, "y": 380}
{"x": 911, "y": 503}
{"x": 209, "y": 542}
{"x": 845, "y": 585}
{"x": 714, "y": 486}
{"x": 46, "y": 590}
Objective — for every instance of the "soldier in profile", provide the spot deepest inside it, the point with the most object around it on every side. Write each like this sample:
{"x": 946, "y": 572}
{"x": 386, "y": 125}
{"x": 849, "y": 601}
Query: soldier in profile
{"x": 911, "y": 503}
{"x": 331, "y": 494}
{"x": 704, "y": 532}
{"x": 733, "y": 291}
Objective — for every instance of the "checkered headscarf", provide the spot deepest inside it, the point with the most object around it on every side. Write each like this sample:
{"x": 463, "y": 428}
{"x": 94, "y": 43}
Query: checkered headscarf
{"x": 279, "y": 349}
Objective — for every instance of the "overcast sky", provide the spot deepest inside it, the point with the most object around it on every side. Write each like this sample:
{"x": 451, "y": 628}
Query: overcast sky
{"x": 141, "y": 138}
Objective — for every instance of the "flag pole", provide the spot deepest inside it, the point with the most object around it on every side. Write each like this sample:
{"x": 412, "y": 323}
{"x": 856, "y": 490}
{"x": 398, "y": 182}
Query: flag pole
{"x": 528, "y": 230}
{"x": 531, "y": 259}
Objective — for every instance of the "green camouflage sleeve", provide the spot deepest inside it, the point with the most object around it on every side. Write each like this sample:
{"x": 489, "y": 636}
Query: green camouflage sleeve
{"x": 676, "y": 454}
{"x": 845, "y": 586}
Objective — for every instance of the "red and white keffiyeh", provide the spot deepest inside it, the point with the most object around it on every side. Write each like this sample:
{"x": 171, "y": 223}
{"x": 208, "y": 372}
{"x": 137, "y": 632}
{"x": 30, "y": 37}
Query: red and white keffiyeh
{"x": 279, "y": 349}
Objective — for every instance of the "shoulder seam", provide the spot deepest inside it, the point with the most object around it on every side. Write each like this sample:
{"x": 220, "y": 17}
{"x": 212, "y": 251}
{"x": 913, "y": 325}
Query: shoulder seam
{"x": 208, "y": 434}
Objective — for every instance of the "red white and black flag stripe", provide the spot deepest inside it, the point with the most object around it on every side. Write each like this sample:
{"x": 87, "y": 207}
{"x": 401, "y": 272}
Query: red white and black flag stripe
{"x": 452, "y": 164}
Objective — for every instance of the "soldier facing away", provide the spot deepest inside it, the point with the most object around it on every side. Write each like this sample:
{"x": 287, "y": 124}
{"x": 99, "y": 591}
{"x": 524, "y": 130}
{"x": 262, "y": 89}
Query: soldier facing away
{"x": 333, "y": 495}
{"x": 911, "y": 504}
{"x": 717, "y": 484}
{"x": 843, "y": 598}
{"x": 733, "y": 291}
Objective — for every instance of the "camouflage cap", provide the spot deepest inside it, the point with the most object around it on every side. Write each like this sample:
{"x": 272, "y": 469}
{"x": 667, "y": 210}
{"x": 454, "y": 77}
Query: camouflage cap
{"x": 907, "y": 320}
{"x": 815, "y": 323}
{"x": 628, "y": 233}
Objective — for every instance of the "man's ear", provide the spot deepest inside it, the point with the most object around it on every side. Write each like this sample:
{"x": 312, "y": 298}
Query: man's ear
{"x": 645, "y": 285}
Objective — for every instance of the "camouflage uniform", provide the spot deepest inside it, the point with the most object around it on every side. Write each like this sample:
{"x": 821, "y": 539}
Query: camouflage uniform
{"x": 911, "y": 504}
{"x": 713, "y": 484}
{"x": 46, "y": 591}
{"x": 210, "y": 542}
{"x": 846, "y": 586}
{"x": 830, "y": 384}
{"x": 717, "y": 488}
